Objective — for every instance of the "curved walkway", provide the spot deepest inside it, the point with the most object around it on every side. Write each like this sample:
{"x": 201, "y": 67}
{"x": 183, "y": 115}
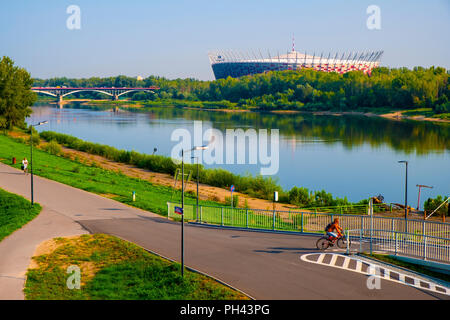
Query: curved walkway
{"x": 264, "y": 265}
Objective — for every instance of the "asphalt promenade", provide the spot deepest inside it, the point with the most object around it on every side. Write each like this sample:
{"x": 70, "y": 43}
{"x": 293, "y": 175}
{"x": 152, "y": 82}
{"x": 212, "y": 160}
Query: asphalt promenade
{"x": 264, "y": 265}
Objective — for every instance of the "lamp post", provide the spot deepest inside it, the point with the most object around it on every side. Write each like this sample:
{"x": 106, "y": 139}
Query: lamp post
{"x": 418, "y": 198}
{"x": 182, "y": 202}
{"x": 198, "y": 178}
{"x": 406, "y": 194}
{"x": 31, "y": 157}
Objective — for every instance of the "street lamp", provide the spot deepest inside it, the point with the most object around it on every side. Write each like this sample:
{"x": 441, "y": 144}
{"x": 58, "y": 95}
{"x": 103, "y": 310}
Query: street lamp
{"x": 418, "y": 198}
{"x": 198, "y": 178}
{"x": 406, "y": 194}
{"x": 31, "y": 157}
{"x": 182, "y": 201}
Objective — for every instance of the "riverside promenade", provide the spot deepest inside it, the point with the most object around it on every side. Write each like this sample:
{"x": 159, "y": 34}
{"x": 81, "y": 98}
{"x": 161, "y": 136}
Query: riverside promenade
{"x": 263, "y": 265}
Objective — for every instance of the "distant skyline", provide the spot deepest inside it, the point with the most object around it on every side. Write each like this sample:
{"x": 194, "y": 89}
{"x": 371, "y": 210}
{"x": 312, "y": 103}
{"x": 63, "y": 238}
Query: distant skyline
{"x": 171, "y": 38}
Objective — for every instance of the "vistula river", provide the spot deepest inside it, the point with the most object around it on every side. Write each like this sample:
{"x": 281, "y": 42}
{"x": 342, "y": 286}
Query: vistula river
{"x": 349, "y": 156}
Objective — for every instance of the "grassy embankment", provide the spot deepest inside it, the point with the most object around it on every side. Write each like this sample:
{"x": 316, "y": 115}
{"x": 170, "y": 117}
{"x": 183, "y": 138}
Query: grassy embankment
{"x": 91, "y": 178}
{"x": 254, "y": 186}
{"x": 113, "y": 269}
{"x": 15, "y": 212}
{"x": 116, "y": 185}
{"x": 410, "y": 266}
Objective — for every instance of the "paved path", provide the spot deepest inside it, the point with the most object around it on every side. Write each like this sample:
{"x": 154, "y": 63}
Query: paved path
{"x": 265, "y": 265}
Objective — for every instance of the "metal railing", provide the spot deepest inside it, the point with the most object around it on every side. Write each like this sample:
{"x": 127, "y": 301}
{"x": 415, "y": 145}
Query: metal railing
{"x": 374, "y": 227}
{"x": 299, "y": 221}
{"x": 351, "y": 209}
{"x": 416, "y": 245}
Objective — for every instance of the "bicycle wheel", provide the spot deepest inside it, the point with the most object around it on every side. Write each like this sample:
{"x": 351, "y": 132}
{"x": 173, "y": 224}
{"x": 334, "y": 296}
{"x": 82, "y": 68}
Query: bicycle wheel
{"x": 322, "y": 243}
{"x": 342, "y": 242}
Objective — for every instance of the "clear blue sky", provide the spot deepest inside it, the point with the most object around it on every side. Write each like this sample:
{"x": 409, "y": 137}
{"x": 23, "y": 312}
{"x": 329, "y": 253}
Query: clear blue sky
{"x": 171, "y": 38}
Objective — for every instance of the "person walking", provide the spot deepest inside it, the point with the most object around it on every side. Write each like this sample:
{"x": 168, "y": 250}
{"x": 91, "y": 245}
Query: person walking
{"x": 25, "y": 165}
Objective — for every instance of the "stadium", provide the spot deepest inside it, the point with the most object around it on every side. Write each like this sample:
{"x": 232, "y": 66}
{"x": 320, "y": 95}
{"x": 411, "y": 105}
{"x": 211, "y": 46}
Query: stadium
{"x": 237, "y": 64}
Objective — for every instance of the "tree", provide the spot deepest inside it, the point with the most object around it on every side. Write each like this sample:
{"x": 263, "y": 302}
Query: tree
{"x": 431, "y": 204}
{"x": 15, "y": 94}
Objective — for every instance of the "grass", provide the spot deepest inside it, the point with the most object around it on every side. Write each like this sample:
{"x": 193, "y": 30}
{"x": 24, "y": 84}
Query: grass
{"x": 15, "y": 212}
{"x": 255, "y": 186}
{"x": 91, "y": 178}
{"x": 410, "y": 266}
{"x": 113, "y": 269}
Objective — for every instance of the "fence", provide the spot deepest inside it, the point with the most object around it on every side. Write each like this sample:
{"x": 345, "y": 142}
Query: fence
{"x": 352, "y": 209}
{"x": 374, "y": 227}
{"x": 421, "y": 246}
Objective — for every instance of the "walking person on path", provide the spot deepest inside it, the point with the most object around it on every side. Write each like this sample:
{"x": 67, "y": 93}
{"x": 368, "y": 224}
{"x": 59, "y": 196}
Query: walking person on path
{"x": 25, "y": 165}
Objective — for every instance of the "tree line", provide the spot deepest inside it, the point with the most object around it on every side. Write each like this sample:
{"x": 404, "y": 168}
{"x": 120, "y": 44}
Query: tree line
{"x": 306, "y": 89}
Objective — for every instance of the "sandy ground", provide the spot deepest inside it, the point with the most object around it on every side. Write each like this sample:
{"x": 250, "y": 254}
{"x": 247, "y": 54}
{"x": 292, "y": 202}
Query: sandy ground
{"x": 399, "y": 116}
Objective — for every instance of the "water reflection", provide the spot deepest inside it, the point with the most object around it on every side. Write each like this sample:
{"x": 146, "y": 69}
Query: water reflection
{"x": 353, "y": 156}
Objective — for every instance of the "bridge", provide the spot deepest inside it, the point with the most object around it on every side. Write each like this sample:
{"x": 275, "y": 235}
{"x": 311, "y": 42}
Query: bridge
{"x": 115, "y": 93}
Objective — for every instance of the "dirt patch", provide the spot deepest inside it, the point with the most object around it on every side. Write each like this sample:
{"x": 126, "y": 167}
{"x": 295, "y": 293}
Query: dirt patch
{"x": 47, "y": 247}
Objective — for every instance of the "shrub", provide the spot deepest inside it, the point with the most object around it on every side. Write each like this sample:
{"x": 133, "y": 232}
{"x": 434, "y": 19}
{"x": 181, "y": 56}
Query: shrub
{"x": 431, "y": 204}
{"x": 235, "y": 201}
{"x": 53, "y": 147}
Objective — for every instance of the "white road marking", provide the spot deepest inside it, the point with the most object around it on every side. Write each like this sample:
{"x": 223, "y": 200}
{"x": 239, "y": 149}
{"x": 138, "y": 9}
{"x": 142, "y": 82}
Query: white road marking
{"x": 333, "y": 259}
{"x": 427, "y": 285}
{"x": 346, "y": 262}
{"x": 358, "y": 266}
{"x": 320, "y": 259}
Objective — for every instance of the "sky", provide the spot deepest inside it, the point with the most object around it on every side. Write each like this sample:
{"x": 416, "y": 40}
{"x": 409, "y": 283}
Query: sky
{"x": 171, "y": 38}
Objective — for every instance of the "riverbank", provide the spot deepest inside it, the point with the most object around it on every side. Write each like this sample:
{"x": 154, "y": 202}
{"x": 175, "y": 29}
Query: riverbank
{"x": 117, "y": 180}
{"x": 420, "y": 114}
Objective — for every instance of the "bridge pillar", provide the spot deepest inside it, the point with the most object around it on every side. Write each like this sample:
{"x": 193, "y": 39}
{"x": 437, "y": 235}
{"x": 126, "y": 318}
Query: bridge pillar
{"x": 59, "y": 98}
{"x": 115, "y": 97}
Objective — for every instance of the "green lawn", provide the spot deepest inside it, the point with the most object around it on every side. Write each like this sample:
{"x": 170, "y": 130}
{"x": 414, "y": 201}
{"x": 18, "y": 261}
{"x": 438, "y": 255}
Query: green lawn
{"x": 113, "y": 269}
{"x": 15, "y": 211}
{"x": 113, "y": 184}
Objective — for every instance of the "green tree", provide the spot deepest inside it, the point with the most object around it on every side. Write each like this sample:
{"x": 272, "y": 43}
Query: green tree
{"x": 431, "y": 204}
{"x": 15, "y": 94}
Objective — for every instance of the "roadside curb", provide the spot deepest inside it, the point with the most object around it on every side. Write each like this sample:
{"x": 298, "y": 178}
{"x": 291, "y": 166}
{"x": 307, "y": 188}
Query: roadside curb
{"x": 442, "y": 282}
{"x": 377, "y": 270}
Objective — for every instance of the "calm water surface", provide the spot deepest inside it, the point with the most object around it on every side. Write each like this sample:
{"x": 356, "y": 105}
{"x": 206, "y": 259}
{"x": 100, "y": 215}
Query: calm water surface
{"x": 350, "y": 156}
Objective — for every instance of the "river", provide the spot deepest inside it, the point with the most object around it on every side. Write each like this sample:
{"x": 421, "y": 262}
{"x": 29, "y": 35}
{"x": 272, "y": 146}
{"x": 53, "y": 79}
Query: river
{"x": 349, "y": 156}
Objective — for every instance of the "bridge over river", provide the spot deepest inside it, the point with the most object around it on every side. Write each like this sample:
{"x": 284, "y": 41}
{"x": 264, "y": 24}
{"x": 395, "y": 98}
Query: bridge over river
{"x": 115, "y": 93}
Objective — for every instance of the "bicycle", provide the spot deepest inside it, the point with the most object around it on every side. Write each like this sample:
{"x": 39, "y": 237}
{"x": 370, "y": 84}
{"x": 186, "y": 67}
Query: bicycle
{"x": 324, "y": 242}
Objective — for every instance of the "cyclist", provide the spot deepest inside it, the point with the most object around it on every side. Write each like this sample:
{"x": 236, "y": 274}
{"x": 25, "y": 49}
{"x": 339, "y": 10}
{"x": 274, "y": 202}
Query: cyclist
{"x": 333, "y": 226}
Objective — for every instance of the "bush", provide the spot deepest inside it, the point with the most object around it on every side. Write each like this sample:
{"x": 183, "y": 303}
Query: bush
{"x": 36, "y": 140}
{"x": 299, "y": 197}
{"x": 235, "y": 201}
{"x": 431, "y": 204}
{"x": 53, "y": 147}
